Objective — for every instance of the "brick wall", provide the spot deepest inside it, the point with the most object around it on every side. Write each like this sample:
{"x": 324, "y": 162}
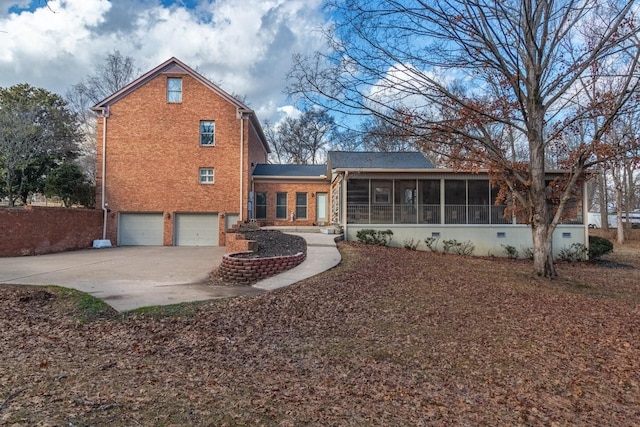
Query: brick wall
{"x": 41, "y": 230}
{"x": 236, "y": 242}
{"x": 237, "y": 269}
{"x": 291, "y": 188}
{"x": 154, "y": 155}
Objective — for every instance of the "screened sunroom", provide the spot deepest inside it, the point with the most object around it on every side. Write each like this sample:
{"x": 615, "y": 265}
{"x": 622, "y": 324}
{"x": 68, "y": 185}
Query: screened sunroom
{"x": 423, "y": 201}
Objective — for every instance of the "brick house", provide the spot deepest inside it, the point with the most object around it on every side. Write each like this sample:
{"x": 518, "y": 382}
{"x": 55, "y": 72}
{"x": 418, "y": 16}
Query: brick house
{"x": 174, "y": 159}
{"x": 179, "y": 161}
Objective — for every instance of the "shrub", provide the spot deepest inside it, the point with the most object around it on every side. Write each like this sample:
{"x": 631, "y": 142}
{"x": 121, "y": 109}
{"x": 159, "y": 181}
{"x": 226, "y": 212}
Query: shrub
{"x": 465, "y": 248}
{"x": 375, "y": 237}
{"x": 411, "y": 244}
{"x": 432, "y": 243}
{"x": 510, "y": 251}
{"x": 574, "y": 253}
{"x": 599, "y": 246}
{"x": 527, "y": 253}
{"x": 460, "y": 248}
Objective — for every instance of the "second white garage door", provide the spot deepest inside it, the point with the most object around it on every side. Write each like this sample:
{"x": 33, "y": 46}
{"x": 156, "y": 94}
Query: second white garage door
{"x": 196, "y": 230}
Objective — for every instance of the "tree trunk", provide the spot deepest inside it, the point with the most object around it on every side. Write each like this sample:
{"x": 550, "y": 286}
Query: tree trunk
{"x": 9, "y": 181}
{"x": 543, "y": 251}
{"x": 604, "y": 209}
{"x": 619, "y": 204}
{"x": 541, "y": 226}
{"x": 540, "y": 220}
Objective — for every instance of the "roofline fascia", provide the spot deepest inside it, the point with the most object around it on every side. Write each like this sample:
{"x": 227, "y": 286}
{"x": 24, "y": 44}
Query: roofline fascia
{"x": 369, "y": 170}
{"x": 431, "y": 170}
{"x": 289, "y": 178}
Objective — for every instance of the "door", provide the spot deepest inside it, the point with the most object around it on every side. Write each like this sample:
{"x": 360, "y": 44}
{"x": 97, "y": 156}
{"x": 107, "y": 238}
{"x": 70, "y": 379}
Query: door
{"x": 140, "y": 229}
{"x": 196, "y": 229}
{"x": 322, "y": 211}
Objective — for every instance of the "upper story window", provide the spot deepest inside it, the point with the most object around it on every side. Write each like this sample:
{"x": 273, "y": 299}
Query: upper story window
{"x": 174, "y": 89}
{"x": 206, "y": 176}
{"x": 207, "y": 133}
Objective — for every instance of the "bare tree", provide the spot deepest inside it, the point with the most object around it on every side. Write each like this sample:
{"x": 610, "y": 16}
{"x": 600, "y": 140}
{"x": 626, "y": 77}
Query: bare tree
{"x": 463, "y": 74}
{"x": 301, "y": 140}
{"x": 108, "y": 77}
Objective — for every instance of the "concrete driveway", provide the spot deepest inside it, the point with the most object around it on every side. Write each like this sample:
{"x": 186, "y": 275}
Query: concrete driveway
{"x": 126, "y": 277}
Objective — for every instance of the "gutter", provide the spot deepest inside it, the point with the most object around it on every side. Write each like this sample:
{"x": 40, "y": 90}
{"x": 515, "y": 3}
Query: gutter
{"x": 242, "y": 116}
{"x": 105, "y": 114}
{"x": 289, "y": 178}
{"x": 104, "y": 242}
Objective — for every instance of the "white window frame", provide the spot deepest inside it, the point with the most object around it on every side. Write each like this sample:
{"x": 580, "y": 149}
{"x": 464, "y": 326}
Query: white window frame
{"x": 280, "y": 205}
{"x": 382, "y": 195}
{"x": 206, "y": 175}
{"x": 173, "y": 92}
{"x": 212, "y": 133}
{"x": 300, "y": 207}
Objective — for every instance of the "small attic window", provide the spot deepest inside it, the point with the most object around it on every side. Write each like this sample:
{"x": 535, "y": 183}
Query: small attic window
{"x": 174, "y": 89}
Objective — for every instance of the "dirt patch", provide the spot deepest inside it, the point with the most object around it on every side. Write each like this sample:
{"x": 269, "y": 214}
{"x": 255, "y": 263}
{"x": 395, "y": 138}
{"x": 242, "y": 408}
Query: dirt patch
{"x": 275, "y": 243}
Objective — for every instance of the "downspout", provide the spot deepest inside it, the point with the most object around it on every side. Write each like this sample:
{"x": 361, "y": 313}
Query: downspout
{"x": 105, "y": 114}
{"x": 242, "y": 117}
{"x": 585, "y": 214}
{"x": 344, "y": 204}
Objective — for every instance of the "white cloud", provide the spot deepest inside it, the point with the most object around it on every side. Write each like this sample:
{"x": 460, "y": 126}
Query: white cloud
{"x": 245, "y": 47}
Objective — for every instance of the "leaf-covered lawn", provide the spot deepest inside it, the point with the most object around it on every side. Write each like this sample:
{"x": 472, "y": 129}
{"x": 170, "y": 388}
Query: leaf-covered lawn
{"x": 390, "y": 337}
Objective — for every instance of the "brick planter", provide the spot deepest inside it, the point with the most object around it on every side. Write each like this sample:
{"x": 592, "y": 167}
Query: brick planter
{"x": 236, "y": 267}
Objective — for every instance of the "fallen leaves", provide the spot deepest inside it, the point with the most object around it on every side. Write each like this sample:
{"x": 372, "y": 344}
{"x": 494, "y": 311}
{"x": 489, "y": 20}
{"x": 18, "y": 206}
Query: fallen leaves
{"x": 391, "y": 337}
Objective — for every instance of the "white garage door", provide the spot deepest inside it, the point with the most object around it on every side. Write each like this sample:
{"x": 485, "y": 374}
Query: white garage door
{"x": 196, "y": 229}
{"x": 141, "y": 229}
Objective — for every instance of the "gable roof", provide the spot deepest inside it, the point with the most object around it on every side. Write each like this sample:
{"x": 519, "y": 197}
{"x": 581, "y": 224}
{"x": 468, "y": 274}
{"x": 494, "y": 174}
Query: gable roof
{"x": 175, "y": 66}
{"x": 290, "y": 171}
{"x": 349, "y": 160}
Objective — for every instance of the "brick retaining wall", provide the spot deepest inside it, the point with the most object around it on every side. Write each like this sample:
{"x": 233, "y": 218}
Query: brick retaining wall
{"x": 235, "y": 268}
{"x": 235, "y": 242}
{"x": 36, "y": 230}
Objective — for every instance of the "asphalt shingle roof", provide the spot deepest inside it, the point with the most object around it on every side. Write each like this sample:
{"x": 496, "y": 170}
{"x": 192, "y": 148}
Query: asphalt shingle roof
{"x": 378, "y": 160}
{"x": 263, "y": 169}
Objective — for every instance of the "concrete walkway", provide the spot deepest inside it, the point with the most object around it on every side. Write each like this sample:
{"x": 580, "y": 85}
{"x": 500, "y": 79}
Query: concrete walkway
{"x": 322, "y": 255}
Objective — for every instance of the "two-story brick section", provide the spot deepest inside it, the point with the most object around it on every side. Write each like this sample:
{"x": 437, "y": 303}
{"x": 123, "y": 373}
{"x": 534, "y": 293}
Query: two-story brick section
{"x": 174, "y": 158}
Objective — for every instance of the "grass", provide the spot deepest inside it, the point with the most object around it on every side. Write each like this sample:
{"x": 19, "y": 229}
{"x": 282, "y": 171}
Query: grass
{"x": 186, "y": 309}
{"x": 86, "y": 308}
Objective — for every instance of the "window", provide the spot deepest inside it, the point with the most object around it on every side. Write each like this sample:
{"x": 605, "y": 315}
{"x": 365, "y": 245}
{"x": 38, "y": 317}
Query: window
{"x": 381, "y": 191}
{"x": 174, "y": 89}
{"x": 207, "y": 133}
{"x": 261, "y": 205}
{"x": 301, "y": 205}
{"x": 206, "y": 175}
{"x": 281, "y": 205}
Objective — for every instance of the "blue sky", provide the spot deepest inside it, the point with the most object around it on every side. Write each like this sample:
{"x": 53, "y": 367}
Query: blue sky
{"x": 245, "y": 47}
